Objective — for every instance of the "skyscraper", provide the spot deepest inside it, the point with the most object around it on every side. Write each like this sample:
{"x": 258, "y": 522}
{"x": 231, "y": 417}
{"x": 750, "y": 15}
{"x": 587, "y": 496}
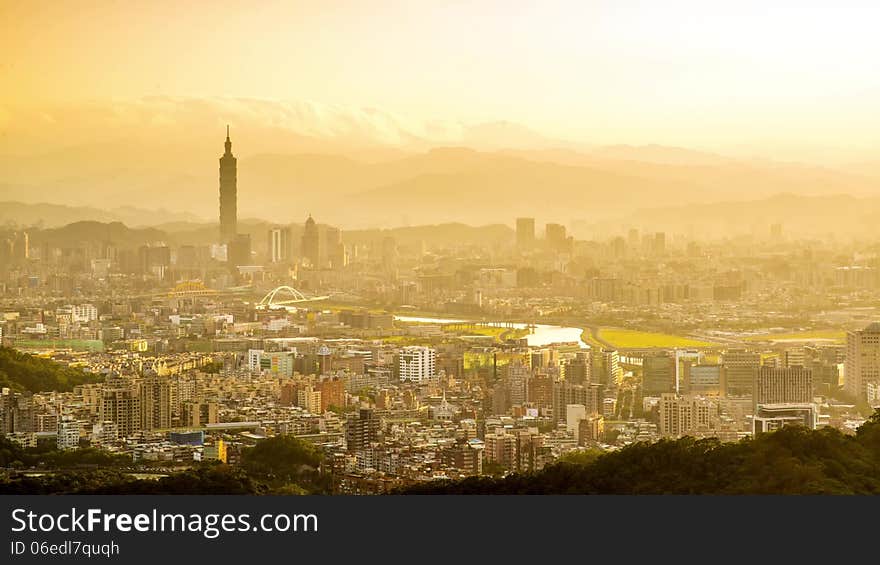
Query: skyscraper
{"x": 228, "y": 193}
{"x": 311, "y": 243}
{"x": 862, "y": 364}
{"x": 739, "y": 371}
{"x": 789, "y": 385}
{"x": 525, "y": 233}
{"x": 279, "y": 245}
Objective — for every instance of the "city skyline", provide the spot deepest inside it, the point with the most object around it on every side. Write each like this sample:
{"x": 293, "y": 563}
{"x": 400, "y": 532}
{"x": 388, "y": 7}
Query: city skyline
{"x": 459, "y": 248}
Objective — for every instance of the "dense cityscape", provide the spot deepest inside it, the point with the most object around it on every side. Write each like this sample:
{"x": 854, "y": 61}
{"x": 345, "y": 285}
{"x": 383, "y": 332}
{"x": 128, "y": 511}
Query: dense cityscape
{"x": 409, "y": 355}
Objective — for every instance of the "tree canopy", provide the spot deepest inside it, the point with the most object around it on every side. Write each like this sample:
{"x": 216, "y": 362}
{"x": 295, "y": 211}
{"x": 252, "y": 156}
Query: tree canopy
{"x": 22, "y": 372}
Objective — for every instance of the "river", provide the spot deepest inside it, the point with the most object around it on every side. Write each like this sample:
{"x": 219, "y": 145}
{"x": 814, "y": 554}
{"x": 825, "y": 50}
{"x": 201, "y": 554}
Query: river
{"x": 542, "y": 334}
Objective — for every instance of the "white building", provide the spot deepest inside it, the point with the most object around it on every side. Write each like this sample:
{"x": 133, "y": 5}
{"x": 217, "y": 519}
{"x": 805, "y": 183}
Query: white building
{"x": 68, "y": 433}
{"x": 84, "y": 313}
{"x": 574, "y": 413}
{"x": 417, "y": 364}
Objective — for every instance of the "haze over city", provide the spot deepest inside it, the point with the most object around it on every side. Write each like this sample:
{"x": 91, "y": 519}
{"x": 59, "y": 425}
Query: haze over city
{"x": 407, "y": 247}
{"x": 385, "y": 114}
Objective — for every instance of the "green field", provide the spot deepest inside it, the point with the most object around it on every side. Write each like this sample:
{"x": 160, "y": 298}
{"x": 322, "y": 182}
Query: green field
{"x": 635, "y": 339}
{"x": 838, "y": 336}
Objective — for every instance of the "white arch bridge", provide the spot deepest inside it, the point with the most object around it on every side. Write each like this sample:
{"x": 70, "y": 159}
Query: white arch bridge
{"x": 286, "y": 296}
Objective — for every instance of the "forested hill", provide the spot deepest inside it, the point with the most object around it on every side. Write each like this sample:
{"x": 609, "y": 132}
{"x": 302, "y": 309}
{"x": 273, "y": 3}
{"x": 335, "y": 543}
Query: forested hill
{"x": 793, "y": 460}
{"x": 26, "y": 373}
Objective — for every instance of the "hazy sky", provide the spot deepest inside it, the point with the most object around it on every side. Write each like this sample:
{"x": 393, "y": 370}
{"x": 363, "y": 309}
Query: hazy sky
{"x": 753, "y": 75}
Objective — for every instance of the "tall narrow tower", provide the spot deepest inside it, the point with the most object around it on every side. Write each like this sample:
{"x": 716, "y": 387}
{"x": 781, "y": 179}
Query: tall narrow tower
{"x": 228, "y": 193}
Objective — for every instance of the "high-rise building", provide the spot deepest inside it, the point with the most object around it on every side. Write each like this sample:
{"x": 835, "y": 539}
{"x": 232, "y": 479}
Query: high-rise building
{"x": 155, "y": 395}
{"x": 557, "y": 238}
{"x": 228, "y": 193}
{"x": 362, "y": 430}
{"x": 121, "y": 404}
{"x": 240, "y": 250}
{"x": 565, "y": 393}
{"x": 417, "y": 363}
{"x": 578, "y": 370}
{"x": 525, "y": 233}
{"x": 862, "y": 363}
{"x": 686, "y": 415}
{"x": 518, "y": 382}
{"x": 311, "y": 243}
{"x": 658, "y": 374}
{"x": 606, "y": 367}
{"x": 279, "y": 245}
{"x": 739, "y": 370}
{"x": 335, "y": 249}
{"x": 658, "y": 246}
{"x": 790, "y": 385}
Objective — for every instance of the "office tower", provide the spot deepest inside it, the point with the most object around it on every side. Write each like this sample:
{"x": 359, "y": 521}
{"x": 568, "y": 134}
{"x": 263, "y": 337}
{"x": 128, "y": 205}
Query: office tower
{"x": 121, "y": 404}
{"x": 335, "y": 249}
{"x": 228, "y": 193}
{"x": 239, "y": 250}
{"x": 20, "y": 247}
{"x": 739, "y": 370}
{"x": 416, "y": 364}
{"x": 862, "y": 362}
{"x": 517, "y": 382}
{"x": 540, "y": 390}
{"x": 578, "y": 370}
{"x": 686, "y": 415}
{"x": 311, "y": 243}
{"x": 525, "y": 233}
{"x": 362, "y": 430}
{"x": 701, "y": 379}
{"x": 789, "y": 385}
{"x": 658, "y": 246}
{"x": 155, "y": 397}
{"x": 154, "y": 260}
{"x": 658, "y": 374}
{"x": 606, "y": 367}
{"x": 539, "y": 358}
{"x": 279, "y": 245}
{"x": 564, "y": 394}
{"x": 556, "y": 238}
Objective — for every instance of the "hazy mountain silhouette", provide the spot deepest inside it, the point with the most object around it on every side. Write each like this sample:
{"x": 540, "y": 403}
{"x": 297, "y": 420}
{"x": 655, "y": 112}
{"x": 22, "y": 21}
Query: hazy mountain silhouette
{"x": 359, "y": 167}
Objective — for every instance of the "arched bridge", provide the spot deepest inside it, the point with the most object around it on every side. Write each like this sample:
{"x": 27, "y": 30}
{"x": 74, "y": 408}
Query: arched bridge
{"x": 293, "y": 296}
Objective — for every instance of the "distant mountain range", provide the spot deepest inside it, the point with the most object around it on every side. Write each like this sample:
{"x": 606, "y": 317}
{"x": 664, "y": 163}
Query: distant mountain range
{"x": 812, "y": 216}
{"x": 360, "y": 168}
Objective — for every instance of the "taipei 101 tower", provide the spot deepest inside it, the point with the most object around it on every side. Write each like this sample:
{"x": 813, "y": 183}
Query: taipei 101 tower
{"x": 228, "y": 193}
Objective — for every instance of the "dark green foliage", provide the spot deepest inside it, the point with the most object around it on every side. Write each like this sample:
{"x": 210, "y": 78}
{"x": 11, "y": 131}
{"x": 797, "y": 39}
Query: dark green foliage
{"x": 282, "y": 461}
{"x": 208, "y": 479}
{"x": 25, "y": 373}
{"x": 793, "y": 460}
{"x": 47, "y": 456}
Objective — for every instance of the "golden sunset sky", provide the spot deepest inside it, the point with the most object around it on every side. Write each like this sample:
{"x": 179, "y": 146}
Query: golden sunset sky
{"x": 795, "y": 78}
